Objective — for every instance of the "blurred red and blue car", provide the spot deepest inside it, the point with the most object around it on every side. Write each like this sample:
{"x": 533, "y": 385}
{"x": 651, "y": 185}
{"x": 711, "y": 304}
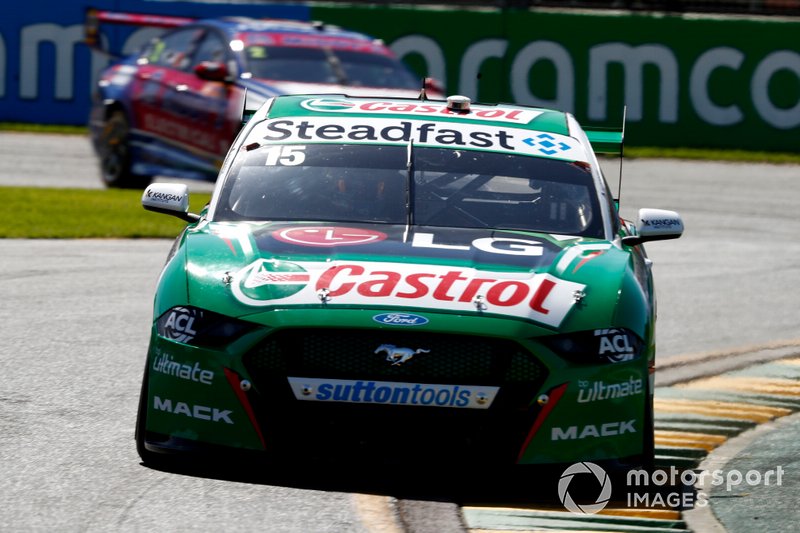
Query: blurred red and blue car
{"x": 174, "y": 108}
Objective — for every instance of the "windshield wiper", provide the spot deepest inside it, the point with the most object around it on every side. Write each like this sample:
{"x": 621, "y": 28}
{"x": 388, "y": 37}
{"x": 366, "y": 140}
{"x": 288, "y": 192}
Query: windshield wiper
{"x": 410, "y": 183}
{"x": 336, "y": 66}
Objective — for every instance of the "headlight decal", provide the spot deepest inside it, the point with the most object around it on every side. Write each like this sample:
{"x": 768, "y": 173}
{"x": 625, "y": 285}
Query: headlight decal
{"x": 198, "y": 327}
{"x": 177, "y": 324}
{"x": 611, "y": 345}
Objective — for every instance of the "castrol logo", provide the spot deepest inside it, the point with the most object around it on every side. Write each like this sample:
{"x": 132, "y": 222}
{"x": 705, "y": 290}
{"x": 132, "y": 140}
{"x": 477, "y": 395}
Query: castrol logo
{"x": 539, "y": 297}
{"x": 425, "y": 109}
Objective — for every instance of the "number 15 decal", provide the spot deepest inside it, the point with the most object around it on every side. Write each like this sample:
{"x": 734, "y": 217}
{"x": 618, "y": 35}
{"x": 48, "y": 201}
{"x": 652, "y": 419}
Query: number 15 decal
{"x": 285, "y": 155}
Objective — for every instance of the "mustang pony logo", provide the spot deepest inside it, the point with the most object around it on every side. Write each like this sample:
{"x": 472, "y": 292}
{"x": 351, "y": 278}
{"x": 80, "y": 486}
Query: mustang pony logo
{"x": 398, "y": 356}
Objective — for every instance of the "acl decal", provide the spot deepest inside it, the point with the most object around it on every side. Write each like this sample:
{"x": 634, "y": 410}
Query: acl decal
{"x": 539, "y": 297}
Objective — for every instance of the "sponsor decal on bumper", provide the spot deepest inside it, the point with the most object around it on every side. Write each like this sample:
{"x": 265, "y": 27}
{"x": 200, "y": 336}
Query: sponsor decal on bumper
{"x": 392, "y": 393}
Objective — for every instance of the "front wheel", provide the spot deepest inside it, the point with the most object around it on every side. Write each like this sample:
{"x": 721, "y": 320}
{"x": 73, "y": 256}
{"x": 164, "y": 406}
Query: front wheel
{"x": 149, "y": 458}
{"x": 648, "y": 433}
{"x": 115, "y": 158}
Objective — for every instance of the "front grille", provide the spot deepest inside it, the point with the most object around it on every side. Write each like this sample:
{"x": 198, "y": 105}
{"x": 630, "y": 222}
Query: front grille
{"x": 362, "y": 431}
{"x": 349, "y": 354}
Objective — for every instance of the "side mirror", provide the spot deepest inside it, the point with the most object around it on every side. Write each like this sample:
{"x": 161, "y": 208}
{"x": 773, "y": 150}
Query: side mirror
{"x": 655, "y": 225}
{"x": 169, "y": 199}
{"x": 211, "y": 71}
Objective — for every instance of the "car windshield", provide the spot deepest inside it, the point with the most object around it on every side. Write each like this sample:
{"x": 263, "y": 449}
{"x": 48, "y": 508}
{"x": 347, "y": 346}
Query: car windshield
{"x": 327, "y": 65}
{"x": 370, "y": 183}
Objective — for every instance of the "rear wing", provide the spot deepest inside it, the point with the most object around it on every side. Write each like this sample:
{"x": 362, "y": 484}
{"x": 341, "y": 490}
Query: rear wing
{"x": 610, "y": 141}
{"x": 95, "y": 17}
{"x": 606, "y": 140}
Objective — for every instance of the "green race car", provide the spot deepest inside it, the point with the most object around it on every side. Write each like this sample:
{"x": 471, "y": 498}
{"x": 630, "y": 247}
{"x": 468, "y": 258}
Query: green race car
{"x": 405, "y": 280}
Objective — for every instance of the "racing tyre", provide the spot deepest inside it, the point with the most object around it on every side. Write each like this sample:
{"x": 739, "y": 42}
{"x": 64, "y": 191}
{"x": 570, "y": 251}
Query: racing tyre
{"x": 149, "y": 458}
{"x": 115, "y": 159}
{"x": 649, "y": 444}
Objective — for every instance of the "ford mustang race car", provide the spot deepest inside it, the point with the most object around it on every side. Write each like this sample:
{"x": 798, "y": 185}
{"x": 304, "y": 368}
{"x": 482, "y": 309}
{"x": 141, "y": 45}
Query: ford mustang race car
{"x": 397, "y": 279}
{"x": 174, "y": 108}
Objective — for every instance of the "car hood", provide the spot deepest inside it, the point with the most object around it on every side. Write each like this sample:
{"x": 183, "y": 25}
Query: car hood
{"x": 247, "y": 268}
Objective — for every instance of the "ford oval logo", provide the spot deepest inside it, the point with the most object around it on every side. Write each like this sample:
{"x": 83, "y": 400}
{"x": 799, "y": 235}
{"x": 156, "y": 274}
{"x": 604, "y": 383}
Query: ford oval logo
{"x": 400, "y": 319}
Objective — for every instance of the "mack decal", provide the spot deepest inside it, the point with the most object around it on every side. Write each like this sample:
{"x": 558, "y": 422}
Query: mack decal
{"x": 393, "y": 393}
{"x": 610, "y": 429}
{"x": 540, "y": 297}
{"x": 435, "y": 134}
{"x": 198, "y": 412}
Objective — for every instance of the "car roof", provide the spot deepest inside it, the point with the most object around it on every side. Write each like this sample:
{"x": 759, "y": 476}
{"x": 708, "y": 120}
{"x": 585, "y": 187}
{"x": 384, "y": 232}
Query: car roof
{"x": 234, "y": 25}
{"x": 510, "y": 115}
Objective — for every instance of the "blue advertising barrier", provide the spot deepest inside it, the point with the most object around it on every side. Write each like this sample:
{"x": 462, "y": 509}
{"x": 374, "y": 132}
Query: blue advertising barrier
{"x": 47, "y": 71}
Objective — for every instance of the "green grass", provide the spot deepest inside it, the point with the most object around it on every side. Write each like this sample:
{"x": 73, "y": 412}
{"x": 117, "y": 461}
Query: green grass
{"x": 39, "y": 213}
{"x": 43, "y": 128}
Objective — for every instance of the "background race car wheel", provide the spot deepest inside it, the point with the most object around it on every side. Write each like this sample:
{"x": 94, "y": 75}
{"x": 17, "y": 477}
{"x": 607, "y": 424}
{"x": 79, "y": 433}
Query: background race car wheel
{"x": 115, "y": 160}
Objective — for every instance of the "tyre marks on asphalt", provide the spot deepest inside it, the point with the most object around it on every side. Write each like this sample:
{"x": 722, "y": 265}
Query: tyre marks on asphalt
{"x": 691, "y": 420}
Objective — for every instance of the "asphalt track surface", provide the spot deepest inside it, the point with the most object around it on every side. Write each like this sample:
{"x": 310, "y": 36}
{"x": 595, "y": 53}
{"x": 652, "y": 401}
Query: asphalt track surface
{"x": 75, "y": 319}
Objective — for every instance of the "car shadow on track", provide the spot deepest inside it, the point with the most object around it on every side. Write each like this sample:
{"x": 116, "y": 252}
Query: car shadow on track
{"x": 516, "y": 486}
{"x": 404, "y": 481}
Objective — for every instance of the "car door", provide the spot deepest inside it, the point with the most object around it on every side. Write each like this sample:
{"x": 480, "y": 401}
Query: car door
{"x": 175, "y": 111}
{"x": 212, "y": 96}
